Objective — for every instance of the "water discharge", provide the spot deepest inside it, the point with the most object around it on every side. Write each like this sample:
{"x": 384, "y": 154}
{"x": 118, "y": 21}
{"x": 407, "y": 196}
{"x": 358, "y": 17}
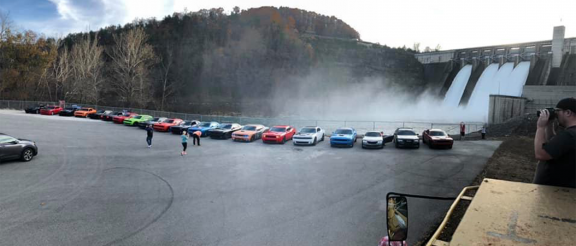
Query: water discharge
{"x": 454, "y": 94}
{"x": 478, "y": 103}
{"x": 507, "y": 80}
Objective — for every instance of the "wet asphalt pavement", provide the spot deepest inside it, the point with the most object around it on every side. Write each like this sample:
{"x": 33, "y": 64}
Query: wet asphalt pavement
{"x": 96, "y": 183}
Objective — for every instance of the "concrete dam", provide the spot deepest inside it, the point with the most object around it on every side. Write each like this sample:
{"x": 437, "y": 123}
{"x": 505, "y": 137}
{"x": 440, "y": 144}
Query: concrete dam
{"x": 540, "y": 73}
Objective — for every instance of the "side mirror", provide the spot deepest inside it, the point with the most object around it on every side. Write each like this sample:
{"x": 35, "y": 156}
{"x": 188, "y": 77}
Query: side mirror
{"x": 397, "y": 217}
{"x": 15, "y": 142}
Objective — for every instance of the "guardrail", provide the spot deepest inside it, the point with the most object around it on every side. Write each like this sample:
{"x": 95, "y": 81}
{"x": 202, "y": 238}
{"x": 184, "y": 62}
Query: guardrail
{"x": 329, "y": 126}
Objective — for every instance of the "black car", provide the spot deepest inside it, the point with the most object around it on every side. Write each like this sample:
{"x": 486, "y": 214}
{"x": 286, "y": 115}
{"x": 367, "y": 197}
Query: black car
{"x": 69, "y": 111}
{"x": 12, "y": 148}
{"x": 143, "y": 125}
{"x": 110, "y": 115}
{"x": 184, "y": 126}
{"x": 34, "y": 109}
{"x": 96, "y": 116}
{"x": 224, "y": 131}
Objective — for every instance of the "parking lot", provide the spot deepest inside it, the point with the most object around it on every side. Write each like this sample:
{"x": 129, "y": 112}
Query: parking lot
{"x": 96, "y": 183}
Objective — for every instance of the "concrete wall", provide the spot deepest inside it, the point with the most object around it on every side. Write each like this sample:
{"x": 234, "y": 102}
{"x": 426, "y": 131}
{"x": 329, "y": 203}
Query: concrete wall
{"x": 503, "y": 108}
{"x": 539, "y": 97}
{"x": 435, "y": 57}
{"x": 557, "y": 45}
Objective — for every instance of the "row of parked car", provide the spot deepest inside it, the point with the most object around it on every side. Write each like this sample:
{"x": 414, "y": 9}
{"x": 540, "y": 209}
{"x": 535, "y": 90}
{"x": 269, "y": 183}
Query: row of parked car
{"x": 309, "y": 135}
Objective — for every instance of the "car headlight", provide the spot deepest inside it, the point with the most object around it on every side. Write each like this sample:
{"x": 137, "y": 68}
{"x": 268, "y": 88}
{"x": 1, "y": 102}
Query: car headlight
{"x": 400, "y": 140}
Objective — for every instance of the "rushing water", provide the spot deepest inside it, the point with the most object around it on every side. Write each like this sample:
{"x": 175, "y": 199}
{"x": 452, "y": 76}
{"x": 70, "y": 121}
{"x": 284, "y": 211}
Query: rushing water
{"x": 454, "y": 94}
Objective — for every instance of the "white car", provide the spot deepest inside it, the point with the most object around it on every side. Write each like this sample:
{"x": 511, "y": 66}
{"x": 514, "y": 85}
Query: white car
{"x": 309, "y": 135}
{"x": 373, "y": 140}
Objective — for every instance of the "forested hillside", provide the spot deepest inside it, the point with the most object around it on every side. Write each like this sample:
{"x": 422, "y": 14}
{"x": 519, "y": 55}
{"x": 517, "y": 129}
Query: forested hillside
{"x": 245, "y": 62}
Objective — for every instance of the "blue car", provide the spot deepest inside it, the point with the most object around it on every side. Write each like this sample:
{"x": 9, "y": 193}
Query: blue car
{"x": 204, "y": 127}
{"x": 343, "y": 137}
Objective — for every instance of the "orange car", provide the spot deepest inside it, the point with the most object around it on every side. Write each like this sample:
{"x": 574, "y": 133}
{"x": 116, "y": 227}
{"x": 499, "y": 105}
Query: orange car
{"x": 249, "y": 133}
{"x": 165, "y": 126}
{"x": 83, "y": 112}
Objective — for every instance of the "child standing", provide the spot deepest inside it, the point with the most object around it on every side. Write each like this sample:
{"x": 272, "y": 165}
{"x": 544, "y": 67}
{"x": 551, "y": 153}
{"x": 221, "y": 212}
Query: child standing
{"x": 184, "y": 137}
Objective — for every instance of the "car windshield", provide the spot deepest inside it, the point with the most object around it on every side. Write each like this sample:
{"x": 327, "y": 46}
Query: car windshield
{"x": 83, "y": 109}
{"x": 249, "y": 128}
{"x": 206, "y": 124}
{"x": 51, "y": 107}
{"x": 169, "y": 121}
{"x": 308, "y": 130}
{"x": 228, "y": 126}
{"x": 69, "y": 108}
{"x": 6, "y": 139}
{"x": 137, "y": 117}
{"x": 107, "y": 112}
{"x": 187, "y": 123}
{"x": 437, "y": 133}
{"x": 373, "y": 134}
{"x": 343, "y": 131}
{"x": 406, "y": 133}
{"x": 278, "y": 129}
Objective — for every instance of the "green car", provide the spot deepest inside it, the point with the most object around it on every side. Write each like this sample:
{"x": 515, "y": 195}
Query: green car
{"x": 136, "y": 119}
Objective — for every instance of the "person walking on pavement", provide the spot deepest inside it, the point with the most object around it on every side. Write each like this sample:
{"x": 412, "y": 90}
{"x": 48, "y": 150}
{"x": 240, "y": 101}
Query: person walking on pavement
{"x": 196, "y": 135}
{"x": 462, "y": 130}
{"x": 184, "y": 137}
{"x": 484, "y": 131}
{"x": 149, "y": 135}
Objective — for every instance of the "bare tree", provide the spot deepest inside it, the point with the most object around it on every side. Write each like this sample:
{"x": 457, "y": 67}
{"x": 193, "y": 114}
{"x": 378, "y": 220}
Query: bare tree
{"x": 5, "y": 25}
{"x": 416, "y": 47}
{"x": 427, "y": 49}
{"x": 168, "y": 86}
{"x": 61, "y": 71}
{"x": 131, "y": 59}
{"x": 87, "y": 63}
{"x": 438, "y": 47}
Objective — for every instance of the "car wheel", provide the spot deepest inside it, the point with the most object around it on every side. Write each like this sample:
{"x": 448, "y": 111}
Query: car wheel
{"x": 322, "y": 139}
{"x": 284, "y": 140}
{"x": 314, "y": 143}
{"x": 251, "y": 138}
{"x": 430, "y": 145}
{"x": 450, "y": 147}
{"x": 363, "y": 146}
{"x": 27, "y": 154}
{"x": 396, "y": 145}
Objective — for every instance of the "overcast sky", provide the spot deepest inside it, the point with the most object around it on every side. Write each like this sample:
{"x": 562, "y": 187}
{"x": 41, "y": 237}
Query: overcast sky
{"x": 450, "y": 23}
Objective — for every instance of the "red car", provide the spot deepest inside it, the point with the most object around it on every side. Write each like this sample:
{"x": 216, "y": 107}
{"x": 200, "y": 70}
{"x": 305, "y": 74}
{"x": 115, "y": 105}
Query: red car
{"x": 165, "y": 126}
{"x": 50, "y": 110}
{"x": 279, "y": 134}
{"x": 437, "y": 138}
{"x": 119, "y": 119}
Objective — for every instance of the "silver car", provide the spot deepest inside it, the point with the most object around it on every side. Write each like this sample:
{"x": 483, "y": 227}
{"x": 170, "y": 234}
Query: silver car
{"x": 13, "y": 148}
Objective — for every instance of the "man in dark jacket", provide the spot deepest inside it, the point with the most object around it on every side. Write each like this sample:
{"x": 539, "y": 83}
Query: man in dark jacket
{"x": 149, "y": 135}
{"x": 557, "y": 152}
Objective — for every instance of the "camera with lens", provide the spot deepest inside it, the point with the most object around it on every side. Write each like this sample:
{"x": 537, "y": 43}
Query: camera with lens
{"x": 550, "y": 112}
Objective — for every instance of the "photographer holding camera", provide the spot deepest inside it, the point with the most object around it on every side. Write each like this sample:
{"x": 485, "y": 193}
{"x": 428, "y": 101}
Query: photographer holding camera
{"x": 556, "y": 152}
